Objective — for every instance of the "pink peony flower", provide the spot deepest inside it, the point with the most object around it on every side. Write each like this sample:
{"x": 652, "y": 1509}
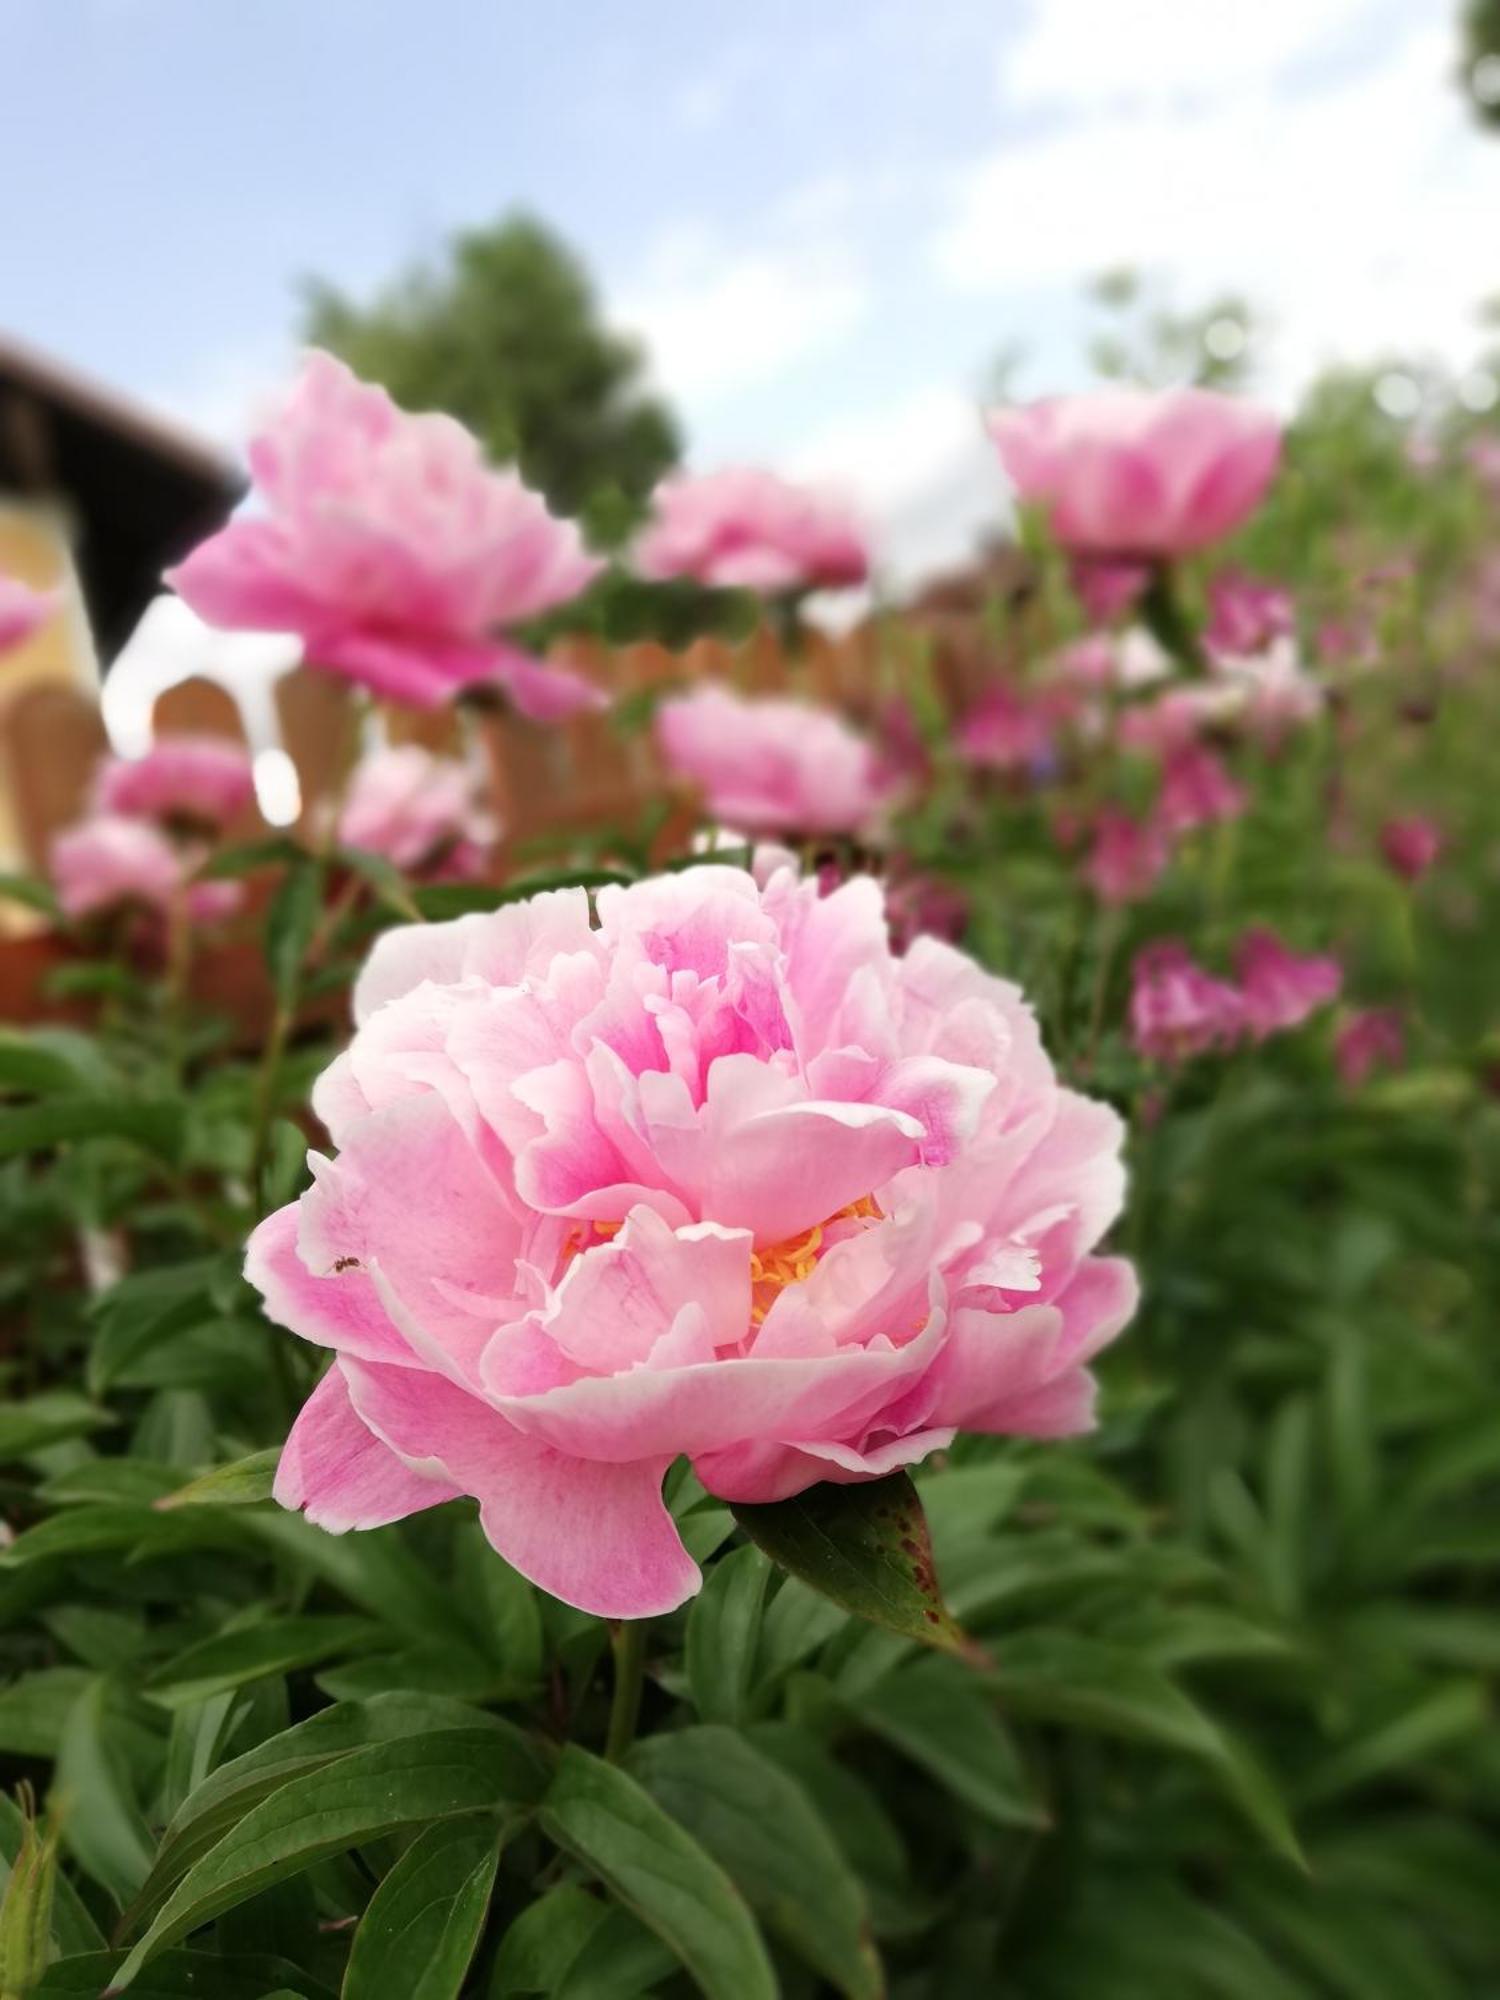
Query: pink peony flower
{"x": 1006, "y": 730}
{"x": 750, "y": 530}
{"x": 1127, "y": 858}
{"x": 1483, "y": 455}
{"x": 1107, "y": 588}
{"x": 1278, "y": 988}
{"x": 720, "y": 1177}
{"x": 111, "y": 863}
{"x": 1411, "y": 844}
{"x": 23, "y": 611}
{"x": 1374, "y": 1038}
{"x": 1135, "y": 473}
{"x": 393, "y": 551}
{"x": 772, "y": 766}
{"x": 1197, "y": 790}
{"x": 195, "y": 781}
{"x": 421, "y": 812}
{"x": 1245, "y": 615}
{"x": 1178, "y": 1010}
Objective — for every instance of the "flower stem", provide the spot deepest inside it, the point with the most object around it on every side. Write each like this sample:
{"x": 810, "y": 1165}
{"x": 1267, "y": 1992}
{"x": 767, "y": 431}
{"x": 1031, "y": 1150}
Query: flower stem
{"x": 628, "y": 1644}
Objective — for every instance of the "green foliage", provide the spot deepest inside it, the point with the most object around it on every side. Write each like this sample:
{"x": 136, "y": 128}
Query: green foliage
{"x": 503, "y": 333}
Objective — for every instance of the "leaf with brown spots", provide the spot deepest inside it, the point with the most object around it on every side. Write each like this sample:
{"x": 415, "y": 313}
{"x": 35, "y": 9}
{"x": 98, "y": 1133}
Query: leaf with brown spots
{"x": 866, "y": 1547}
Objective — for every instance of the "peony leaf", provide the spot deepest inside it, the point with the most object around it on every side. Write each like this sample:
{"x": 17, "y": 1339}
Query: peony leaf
{"x": 603, "y": 1818}
{"x": 866, "y": 1547}
{"x": 421, "y": 1926}
{"x": 241, "y": 1483}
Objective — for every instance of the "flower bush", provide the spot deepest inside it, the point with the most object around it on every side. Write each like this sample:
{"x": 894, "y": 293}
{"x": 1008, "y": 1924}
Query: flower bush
{"x": 690, "y": 1272}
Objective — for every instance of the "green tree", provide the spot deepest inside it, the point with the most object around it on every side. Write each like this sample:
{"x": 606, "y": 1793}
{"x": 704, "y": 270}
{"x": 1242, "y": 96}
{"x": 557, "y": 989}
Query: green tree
{"x": 504, "y": 332}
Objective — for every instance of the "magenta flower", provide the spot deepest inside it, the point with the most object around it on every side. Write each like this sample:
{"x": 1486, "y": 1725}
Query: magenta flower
{"x": 393, "y": 551}
{"x": 722, "y": 1178}
{"x": 1127, "y": 858}
{"x": 1138, "y": 474}
{"x": 1197, "y": 790}
{"x": 1279, "y": 988}
{"x": 198, "y": 782}
{"x": 750, "y": 530}
{"x": 1177, "y": 1010}
{"x": 1006, "y": 730}
{"x": 23, "y": 611}
{"x": 1411, "y": 844}
{"x": 772, "y": 766}
{"x": 1107, "y": 587}
{"x": 420, "y": 812}
{"x": 1245, "y": 615}
{"x": 1373, "y": 1038}
{"x": 110, "y": 863}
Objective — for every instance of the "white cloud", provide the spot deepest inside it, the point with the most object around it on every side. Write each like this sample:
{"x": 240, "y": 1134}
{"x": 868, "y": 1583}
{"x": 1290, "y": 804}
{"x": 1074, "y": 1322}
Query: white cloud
{"x": 717, "y": 323}
{"x": 1351, "y": 210}
{"x": 1089, "y": 53}
{"x": 922, "y": 473}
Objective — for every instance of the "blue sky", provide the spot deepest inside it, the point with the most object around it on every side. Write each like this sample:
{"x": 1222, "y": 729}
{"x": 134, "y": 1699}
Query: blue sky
{"x": 826, "y": 218}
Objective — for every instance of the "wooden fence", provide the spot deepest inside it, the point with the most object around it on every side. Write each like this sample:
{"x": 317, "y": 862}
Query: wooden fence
{"x": 588, "y": 773}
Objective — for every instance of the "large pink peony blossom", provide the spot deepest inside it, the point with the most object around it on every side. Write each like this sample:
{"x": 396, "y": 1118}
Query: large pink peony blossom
{"x": 110, "y": 863}
{"x": 202, "y": 782}
{"x": 1135, "y": 473}
{"x": 747, "y": 529}
{"x": 393, "y": 551}
{"x": 721, "y": 1177}
{"x": 23, "y": 611}
{"x": 1279, "y": 988}
{"x": 768, "y": 765}
{"x": 421, "y": 812}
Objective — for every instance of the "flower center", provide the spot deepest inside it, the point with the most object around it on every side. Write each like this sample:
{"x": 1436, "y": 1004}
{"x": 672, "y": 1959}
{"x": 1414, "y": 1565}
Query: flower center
{"x": 796, "y": 1257}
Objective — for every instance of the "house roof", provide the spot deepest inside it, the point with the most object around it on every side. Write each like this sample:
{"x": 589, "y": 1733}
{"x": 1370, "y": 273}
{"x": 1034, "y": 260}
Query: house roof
{"x": 141, "y": 490}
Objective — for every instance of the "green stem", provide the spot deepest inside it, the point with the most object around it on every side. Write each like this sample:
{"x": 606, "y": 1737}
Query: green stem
{"x": 266, "y": 1092}
{"x": 1163, "y": 616}
{"x": 627, "y": 1642}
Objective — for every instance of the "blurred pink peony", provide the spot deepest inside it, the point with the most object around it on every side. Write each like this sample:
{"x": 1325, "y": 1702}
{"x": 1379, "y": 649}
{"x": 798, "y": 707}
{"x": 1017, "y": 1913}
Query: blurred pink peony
{"x": 1245, "y": 614}
{"x": 1178, "y": 1010}
{"x": 719, "y": 1177}
{"x": 195, "y": 781}
{"x": 1197, "y": 790}
{"x": 1127, "y": 858}
{"x": 1483, "y": 455}
{"x": 1140, "y": 474}
{"x": 750, "y": 530}
{"x": 1411, "y": 844}
{"x": 109, "y": 863}
{"x": 1374, "y": 1038}
{"x": 1008, "y": 729}
{"x": 1107, "y": 589}
{"x": 766, "y": 765}
{"x": 1279, "y": 988}
{"x": 393, "y": 551}
{"x": 23, "y": 611}
{"x": 421, "y": 812}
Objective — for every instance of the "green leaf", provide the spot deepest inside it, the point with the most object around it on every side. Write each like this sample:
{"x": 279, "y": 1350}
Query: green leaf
{"x": 30, "y": 891}
{"x": 865, "y": 1546}
{"x": 26, "y": 1913}
{"x": 184, "y": 1975}
{"x": 544, "y": 1941}
{"x": 102, "y": 1823}
{"x": 145, "y": 1309}
{"x": 275, "y": 1646}
{"x": 722, "y": 1630}
{"x": 227, "y": 1795}
{"x": 442, "y": 900}
{"x": 324, "y": 1811}
{"x": 156, "y": 1126}
{"x": 1451, "y": 1713}
{"x": 47, "y": 1419}
{"x": 241, "y": 1483}
{"x": 763, "y": 1831}
{"x": 291, "y": 921}
{"x": 936, "y": 1713}
{"x": 73, "y": 1929}
{"x": 602, "y": 1817}
{"x": 420, "y": 1928}
{"x": 35, "y": 1709}
{"x": 50, "y": 1060}
{"x": 389, "y": 884}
